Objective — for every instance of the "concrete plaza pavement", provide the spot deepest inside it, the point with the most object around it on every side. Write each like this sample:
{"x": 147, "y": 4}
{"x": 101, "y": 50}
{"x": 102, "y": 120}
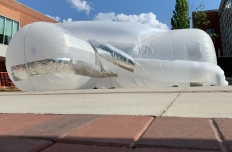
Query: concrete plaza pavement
{"x": 197, "y": 102}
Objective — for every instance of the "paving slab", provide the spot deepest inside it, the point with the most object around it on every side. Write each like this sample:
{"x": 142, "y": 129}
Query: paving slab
{"x": 189, "y": 133}
{"x": 116, "y": 104}
{"x": 225, "y": 127}
{"x": 53, "y": 129}
{"x": 8, "y": 116}
{"x": 22, "y": 145}
{"x": 203, "y": 105}
{"x": 83, "y": 148}
{"x": 21, "y": 121}
{"x": 111, "y": 131}
{"x": 168, "y": 150}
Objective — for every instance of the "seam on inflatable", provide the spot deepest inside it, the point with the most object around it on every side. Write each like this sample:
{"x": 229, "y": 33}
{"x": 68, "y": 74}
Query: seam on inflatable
{"x": 29, "y": 77}
{"x": 171, "y": 44}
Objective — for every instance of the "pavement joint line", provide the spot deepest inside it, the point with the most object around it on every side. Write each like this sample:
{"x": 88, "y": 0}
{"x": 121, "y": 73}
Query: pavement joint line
{"x": 175, "y": 147}
{"x": 80, "y": 127}
{"x": 219, "y": 136}
{"x": 184, "y": 89}
{"x": 157, "y": 92}
{"x": 150, "y": 92}
{"x": 145, "y": 129}
{"x": 169, "y": 105}
{"x": 31, "y": 114}
{"x": 90, "y": 143}
{"x": 53, "y": 143}
{"x": 93, "y": 144}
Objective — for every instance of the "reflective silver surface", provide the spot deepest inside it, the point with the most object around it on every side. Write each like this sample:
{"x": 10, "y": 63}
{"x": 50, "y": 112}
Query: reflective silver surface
{"x": 59, "y": 66}
{"x": 114, "y": 56}
{"x": 19, "y": 72}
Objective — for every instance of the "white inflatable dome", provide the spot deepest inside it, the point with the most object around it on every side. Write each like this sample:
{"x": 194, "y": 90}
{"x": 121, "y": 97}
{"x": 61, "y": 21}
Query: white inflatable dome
{"x": 89, "y": 54}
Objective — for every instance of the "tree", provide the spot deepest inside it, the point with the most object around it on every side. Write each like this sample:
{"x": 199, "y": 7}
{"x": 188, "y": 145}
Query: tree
{"x": 199, "y": 17}
{"x": 180, "y": 19}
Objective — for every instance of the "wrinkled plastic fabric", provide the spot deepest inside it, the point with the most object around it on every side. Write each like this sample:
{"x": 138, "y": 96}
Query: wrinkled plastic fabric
{"x": 89, "y": 54}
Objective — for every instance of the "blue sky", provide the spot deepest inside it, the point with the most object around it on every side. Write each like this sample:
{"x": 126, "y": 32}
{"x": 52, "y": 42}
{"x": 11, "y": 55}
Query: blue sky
{"x": 156, "y": 13}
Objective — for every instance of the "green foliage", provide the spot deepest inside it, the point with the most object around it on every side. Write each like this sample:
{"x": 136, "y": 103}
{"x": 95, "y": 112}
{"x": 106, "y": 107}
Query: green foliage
{"x": 180, "y": 19}
{"x": 200, "y": 17}
{"x": 213, "y": 34}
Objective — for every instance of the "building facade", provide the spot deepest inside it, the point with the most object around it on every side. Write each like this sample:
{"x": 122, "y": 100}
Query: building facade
{"x": 213, "y": 27}
{"x": 13, "y": 16}
{"x": 225, "y": 17}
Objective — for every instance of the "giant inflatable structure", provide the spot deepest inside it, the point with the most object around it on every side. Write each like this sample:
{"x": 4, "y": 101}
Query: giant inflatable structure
{"x": 89, "y": 54}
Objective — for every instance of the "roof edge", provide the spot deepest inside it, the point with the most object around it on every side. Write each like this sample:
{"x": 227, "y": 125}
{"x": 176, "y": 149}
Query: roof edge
{"x": 212, "y": 10}
{"x": 35, "y": 10}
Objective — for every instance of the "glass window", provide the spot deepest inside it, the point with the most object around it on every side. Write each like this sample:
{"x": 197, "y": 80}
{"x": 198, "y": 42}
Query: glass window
{"x": 211, "y": 34}
{"x": 8, "y": 28}
{"x": 2, "y": 22}
{"x": 8, "y": 31}
{"x": 15, "y": 27}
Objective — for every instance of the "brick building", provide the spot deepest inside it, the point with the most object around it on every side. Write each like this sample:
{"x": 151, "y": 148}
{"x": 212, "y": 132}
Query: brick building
{"x": 213, "y": 27}
{"x": 14, "y": 15}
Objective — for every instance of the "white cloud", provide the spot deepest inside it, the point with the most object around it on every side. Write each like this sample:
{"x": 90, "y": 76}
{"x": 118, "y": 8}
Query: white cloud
{"x": 80, "y": 5}
{"x": 58, "y": 19}
{"x": 144, "y": 18}
{"x": 54, "y": 17}
{"x": 68, "y": 20}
